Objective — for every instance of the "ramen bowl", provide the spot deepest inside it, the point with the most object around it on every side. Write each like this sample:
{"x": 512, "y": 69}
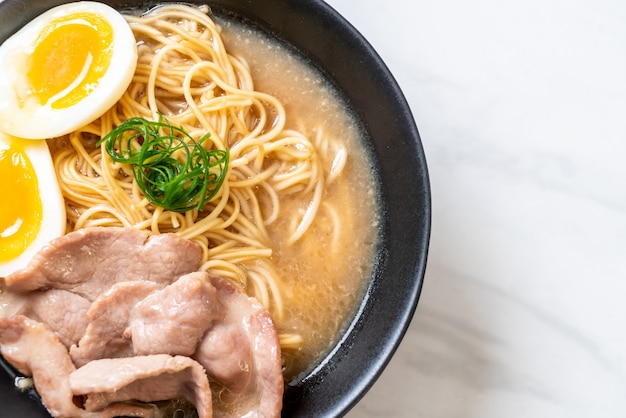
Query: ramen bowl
{"x": 325, "y": 39}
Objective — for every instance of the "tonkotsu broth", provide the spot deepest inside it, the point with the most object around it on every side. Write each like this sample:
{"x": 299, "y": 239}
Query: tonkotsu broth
{"x": 324, "y": 274}
{"x": 324, "y": 280}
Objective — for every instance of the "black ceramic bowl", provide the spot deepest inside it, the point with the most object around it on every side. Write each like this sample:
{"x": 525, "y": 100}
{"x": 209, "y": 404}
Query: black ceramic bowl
{"x": 332, "y": 44}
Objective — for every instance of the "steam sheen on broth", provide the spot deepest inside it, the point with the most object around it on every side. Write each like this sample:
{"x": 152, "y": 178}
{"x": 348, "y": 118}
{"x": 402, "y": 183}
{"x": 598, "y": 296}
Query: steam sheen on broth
{"x": 326, "y": 276}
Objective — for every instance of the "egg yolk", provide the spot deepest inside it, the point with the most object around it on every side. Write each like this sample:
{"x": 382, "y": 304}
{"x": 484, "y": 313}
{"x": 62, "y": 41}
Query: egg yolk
{"x": 21, "y": 208}
{"x": 71, "y": 55}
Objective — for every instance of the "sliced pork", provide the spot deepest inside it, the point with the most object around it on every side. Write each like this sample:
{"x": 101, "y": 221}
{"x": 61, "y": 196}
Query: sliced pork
{"x": 144, "y": 378}
{"x": 226, "y": 353}
{"x": 91, "y": 260}
{"x": 173, "y": 320}
{"x": 242, "y": 352}
{"x": 35, "y": 351}
{"x": 63, "y": 312}
{"x": 107, "y": 334}
{"x": 104, "y": 316}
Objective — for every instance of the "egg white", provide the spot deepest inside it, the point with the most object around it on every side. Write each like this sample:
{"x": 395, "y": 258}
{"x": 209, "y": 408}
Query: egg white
{"x": 53, "y": 222}
{"x": 35, "y": 121}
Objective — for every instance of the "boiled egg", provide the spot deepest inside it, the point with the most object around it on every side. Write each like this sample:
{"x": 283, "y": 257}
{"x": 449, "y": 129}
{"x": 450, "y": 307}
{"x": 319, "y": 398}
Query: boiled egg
{"x": 32, "y": 209}
{"x": 64, "y": 69}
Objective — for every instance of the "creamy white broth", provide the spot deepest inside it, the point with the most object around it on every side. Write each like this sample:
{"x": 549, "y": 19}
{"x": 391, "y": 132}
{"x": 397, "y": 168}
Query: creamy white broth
{"x": 325, "y": 278}
{"x": 324, "y": 274}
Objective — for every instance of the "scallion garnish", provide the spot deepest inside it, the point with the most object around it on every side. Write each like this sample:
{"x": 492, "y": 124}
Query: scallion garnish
{"x": 173, "y": 170}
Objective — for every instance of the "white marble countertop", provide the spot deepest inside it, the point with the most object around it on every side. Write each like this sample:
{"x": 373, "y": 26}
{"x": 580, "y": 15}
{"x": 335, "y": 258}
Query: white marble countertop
{"x": 521, "y": 106}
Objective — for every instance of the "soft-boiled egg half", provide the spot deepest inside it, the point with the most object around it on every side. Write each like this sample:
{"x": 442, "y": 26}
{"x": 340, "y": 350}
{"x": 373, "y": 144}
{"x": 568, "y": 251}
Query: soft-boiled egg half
{"x": 64, "y": 69}
{"x": 32, "y": 209}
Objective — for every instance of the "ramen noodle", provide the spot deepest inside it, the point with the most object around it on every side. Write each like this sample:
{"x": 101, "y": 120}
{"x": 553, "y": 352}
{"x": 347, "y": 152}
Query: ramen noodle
{"x": 294, "y": 221}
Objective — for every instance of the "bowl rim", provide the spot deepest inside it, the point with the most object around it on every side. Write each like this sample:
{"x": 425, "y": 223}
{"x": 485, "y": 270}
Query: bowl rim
{"x": 358, "y": 72}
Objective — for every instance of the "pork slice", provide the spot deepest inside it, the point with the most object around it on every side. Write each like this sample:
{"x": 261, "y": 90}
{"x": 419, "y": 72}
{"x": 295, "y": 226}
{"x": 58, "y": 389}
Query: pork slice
{"x": 174, "y": 319}
{"x": 90, "y": 260}
{"x": 63, "y": 312}
{"x": 226, "y": 353}
{"x": 150, "y": 378}
{"x": 35, "y": 351}
{"x": 268, "y": 379}
{"x": 11, "y": 302}
{"x": 242, "y": 353}
{"x": 108, "y": 317}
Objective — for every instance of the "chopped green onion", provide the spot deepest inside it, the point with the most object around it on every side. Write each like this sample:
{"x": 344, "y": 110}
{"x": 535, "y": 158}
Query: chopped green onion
{"x": 173, "y": 170}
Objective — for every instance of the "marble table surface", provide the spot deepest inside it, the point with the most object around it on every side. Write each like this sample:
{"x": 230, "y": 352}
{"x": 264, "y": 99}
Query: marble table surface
{"x": 521, "y": 106}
